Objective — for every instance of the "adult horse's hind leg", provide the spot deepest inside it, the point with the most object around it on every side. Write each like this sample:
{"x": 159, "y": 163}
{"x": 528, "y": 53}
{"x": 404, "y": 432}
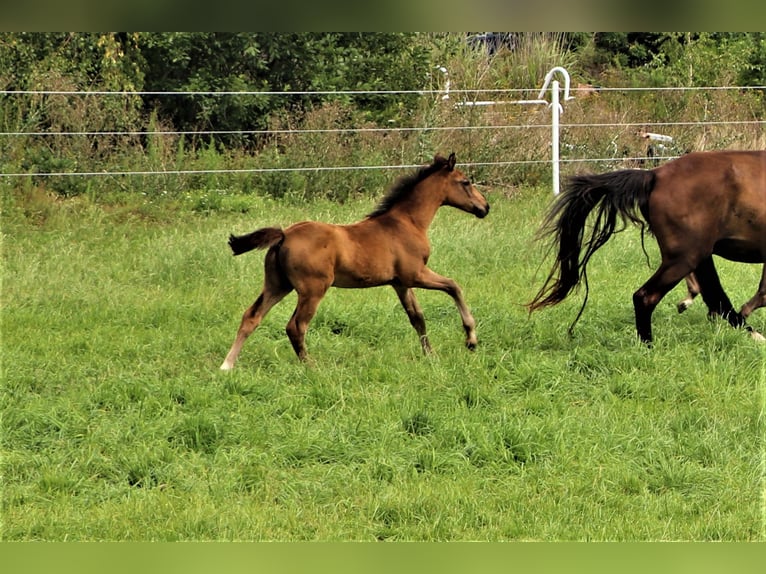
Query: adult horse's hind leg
{"x": 692, "y": 290}
{"x": 427, "y": 279}
{"x": 756, "y": 302}
{"x": 415, "y": 313}
{"x": 645, "y": 300}
{"x": 274, "y": 290}
{"x": 713, "y": 295}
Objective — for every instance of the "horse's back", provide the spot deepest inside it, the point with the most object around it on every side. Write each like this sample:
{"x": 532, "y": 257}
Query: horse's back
{"x": 716, "y": 164}
{"x": 352, "y": 256}
{"x": 703, "y": 180}
{"x": 716, "y": 198}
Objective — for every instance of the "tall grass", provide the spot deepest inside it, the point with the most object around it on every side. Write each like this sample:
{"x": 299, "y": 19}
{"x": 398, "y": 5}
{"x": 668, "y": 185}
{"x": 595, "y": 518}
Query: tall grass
{"x": 117, "y": 425}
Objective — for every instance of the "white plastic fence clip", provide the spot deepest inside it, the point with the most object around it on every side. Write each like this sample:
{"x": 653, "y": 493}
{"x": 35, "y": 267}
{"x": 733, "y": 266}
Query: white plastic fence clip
{"x": 655, "y": 137}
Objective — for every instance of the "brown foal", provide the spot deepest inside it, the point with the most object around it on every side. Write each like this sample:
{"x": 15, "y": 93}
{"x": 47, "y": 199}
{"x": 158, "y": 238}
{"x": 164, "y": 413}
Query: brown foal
{"x": 389, "y": 247}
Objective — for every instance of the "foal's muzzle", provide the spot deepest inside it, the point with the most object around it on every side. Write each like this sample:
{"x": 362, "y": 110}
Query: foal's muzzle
{"x": 481, "y": 212}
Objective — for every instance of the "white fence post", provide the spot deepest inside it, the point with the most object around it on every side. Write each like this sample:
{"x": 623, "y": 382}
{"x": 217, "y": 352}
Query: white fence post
{"x": 556, "y": 108}
{"x": 556, "y": 111}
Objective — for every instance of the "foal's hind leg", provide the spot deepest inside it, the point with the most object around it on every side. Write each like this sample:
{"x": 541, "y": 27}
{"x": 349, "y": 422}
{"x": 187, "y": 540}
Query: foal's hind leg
{"x": 275, "y": 287}
{"x": 250, "y": 320}
{"x": 415, "y": 313}
{"x": 427, "y": 279}
{"x": 308, "y": 302}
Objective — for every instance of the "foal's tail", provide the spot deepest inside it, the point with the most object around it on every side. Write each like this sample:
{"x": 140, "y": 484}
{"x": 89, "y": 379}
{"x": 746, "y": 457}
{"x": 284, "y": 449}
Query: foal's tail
{"x": 620, "y": 193}
{"x": 258, "y": 239}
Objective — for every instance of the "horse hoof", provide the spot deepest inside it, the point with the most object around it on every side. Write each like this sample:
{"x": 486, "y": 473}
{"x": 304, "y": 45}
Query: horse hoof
{"x": 226, "y": 366}
{"x": 757, "y": 336}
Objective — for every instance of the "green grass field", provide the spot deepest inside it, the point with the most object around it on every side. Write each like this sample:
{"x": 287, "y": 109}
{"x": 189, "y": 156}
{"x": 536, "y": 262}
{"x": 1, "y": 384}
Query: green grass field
{"x": 117, "y": 424}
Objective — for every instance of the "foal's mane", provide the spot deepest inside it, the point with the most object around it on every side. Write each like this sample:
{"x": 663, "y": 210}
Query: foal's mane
{"x": 405, "y": 184}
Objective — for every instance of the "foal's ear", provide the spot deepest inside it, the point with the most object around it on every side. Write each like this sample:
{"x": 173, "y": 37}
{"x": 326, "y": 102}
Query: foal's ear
{"x": 451, "y": 161}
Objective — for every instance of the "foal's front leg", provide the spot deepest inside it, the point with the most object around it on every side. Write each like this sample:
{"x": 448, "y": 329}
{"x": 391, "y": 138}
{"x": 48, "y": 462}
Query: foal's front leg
{"x": 427, "y": 279}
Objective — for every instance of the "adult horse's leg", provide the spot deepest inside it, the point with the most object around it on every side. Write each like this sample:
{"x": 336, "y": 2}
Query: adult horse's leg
{"x": 756, "y": 302}
{"x": 275, "y": 287}
{"x": 714, "y": 296}
{"x": 415, "y": 313}
{"x": 692, "y": 290}
{"x": 427, "y": 279}
{"x": 645, "y": 300}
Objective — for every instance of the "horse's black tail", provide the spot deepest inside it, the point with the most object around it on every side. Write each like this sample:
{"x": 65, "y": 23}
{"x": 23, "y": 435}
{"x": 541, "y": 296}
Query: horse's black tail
{"x": 258, "y": 239}
{"x": 620, "y": 193}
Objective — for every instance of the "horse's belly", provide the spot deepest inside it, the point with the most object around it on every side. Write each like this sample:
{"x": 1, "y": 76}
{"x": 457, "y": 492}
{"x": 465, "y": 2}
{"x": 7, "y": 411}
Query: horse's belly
{"x": 359, "y": 278}
{"x": 738, "y": 250}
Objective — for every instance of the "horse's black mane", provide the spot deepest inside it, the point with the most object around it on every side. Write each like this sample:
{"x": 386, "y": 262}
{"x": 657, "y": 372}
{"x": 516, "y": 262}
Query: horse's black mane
{"x": 405, "y": 184}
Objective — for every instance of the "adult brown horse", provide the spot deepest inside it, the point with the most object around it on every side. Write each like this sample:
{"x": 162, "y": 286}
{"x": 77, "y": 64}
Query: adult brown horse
{"x": 389, "y": 247}
{"x": 698, "y": 205}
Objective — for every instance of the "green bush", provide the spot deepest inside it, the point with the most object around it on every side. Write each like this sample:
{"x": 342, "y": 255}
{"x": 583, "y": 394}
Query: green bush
{"x": 510, "y": 144}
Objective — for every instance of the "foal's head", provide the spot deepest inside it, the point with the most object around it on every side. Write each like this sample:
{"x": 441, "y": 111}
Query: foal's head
{"x": 457, "y": 189}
